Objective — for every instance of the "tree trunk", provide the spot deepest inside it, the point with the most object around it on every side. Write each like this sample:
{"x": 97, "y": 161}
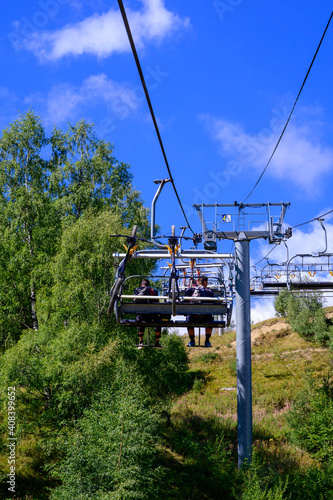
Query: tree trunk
{"x": 33, "y": 308}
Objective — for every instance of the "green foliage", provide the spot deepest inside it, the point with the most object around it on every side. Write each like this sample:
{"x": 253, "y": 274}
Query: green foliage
{"x": 41, "y": 193}
{"x": 312, "y": 483}
{"x": 56, "y": 374}
{"x": 321, "y": 330}
{"x": 82, "y": 271}
{"x": 206, "y": 469}
{"x": 86, "y": 174}
{"x": 288, "y": 304}
{"x": 305, "y": 315}
{"x": 29, "y": 224}
{"x": 115, "y": 448}
{"x": 281, "y": 303}
{"x": 311, "y": 419}
{"x": 114, "y": 451}
{"x": 257, "y": 483}
{"x": 310, "y": 324}
{"x": 310, "y": 301}
{"x": 304, "y": 323}
{"x": 162, "y": 372}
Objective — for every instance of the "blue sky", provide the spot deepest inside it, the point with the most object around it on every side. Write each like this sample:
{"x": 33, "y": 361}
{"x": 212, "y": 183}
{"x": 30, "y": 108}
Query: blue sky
{"x": 222, "y": 76}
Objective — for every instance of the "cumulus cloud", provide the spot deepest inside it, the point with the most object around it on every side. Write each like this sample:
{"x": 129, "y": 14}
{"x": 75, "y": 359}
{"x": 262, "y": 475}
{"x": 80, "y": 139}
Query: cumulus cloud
{"x": 307, "y": 239}
{"x": 263, "y": 309}
{"x": 301, "y": 157}
{"x": 65, "y": 101}
{"x": 308, "y": 253}
{"x": 104, "y": 34}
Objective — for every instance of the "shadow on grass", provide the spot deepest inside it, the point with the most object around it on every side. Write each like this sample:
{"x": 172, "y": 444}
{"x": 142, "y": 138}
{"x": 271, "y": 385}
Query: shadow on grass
{"x": 37, "y": 486}
{"x": 201, "y": 458}
{"x": 275, "y": 375}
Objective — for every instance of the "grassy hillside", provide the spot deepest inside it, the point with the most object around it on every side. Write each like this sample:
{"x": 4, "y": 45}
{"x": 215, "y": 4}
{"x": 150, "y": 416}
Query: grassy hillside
{"x": 282, "y": 365}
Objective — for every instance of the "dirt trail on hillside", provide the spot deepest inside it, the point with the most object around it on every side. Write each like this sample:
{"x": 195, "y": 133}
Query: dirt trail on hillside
{"x": 261, "y": 332}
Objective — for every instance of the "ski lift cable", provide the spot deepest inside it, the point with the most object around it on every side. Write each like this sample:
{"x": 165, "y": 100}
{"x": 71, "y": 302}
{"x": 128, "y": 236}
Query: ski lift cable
{"x": 271, "y": 250}
{"x": 312, "y": 220}
{"x": 138, "y": 65}
{"x": 289, "y": 117}
{"x": 293, "y": 227}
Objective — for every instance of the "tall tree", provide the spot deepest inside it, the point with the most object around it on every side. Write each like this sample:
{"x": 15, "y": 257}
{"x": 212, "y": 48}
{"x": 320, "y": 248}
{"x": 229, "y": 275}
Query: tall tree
{"x": 83, "y": 271}
{"x": 86, "y": 175}
{"x": 47, "y": 185}
{"x": 28, "y": 221}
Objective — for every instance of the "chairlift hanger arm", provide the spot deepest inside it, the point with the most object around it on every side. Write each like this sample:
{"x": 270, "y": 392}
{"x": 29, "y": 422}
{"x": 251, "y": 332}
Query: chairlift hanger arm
{"x": 241, "y": 205}
{"x": 322, "y": 225}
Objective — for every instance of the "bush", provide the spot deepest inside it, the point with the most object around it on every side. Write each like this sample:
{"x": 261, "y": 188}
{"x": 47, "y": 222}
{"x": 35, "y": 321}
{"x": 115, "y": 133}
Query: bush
{"x": 304, "y": 324}
{"x": 311, "y": 419}
{"x": 114, "y": 451}
{"x": 305, "y": 315}
{"x": 313, "y": 483}
{"x": 281, "y": 303}
{"x": 259, "y": 482}
{"x": 321, "y": 329}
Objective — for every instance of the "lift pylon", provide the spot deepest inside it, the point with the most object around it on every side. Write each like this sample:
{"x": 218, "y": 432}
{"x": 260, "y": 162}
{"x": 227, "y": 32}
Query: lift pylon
{"x": 230, "y": 223}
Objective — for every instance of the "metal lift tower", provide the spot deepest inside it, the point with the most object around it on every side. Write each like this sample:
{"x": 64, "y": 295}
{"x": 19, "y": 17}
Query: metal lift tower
{"x": 239, "y": 222}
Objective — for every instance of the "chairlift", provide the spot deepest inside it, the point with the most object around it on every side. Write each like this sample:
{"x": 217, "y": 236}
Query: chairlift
{"x": 304, "y": 271}
{"x": 171, "y": 303}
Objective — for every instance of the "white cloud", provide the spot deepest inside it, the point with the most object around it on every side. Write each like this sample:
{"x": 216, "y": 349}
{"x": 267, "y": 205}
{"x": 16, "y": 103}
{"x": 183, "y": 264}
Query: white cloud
{"x": 104, "y": 34}
{"x": 304, "y": 253}
{"x": 263, "y": 309}
{"x": 65, "y": 101}
{"x": 301, "y": 157}
{"x": 307, "y": 239}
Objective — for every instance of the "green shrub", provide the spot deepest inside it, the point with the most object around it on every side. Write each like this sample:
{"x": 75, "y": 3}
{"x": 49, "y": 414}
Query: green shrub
{"x": 114, "y": 451}
{"x": 210, "y": 357}
{"x": 304, "y": 324}
{"x": 306, "y": 316}
{"x": 281, "y": 303}
{"x": 258, "y": 482}
{"x": 311, "y": 483}
{"x": 310, "y": 419}
{"x": 198, "y": 385}
{"x": 321, "y": 328}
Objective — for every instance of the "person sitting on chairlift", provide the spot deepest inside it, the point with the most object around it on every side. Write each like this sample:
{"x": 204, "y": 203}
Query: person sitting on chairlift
{"x": 146, "y": 289}
{"x": 201, "y": 290}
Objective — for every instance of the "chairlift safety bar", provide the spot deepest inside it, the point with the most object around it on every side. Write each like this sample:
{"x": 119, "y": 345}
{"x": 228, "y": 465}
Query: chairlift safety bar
{"x": 158, "y": 254}
{"x": 165, "y": 297}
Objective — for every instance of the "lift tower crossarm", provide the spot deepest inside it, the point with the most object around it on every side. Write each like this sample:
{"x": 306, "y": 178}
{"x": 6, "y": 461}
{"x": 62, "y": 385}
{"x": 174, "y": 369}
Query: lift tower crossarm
{"x": 272, "y": 232}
